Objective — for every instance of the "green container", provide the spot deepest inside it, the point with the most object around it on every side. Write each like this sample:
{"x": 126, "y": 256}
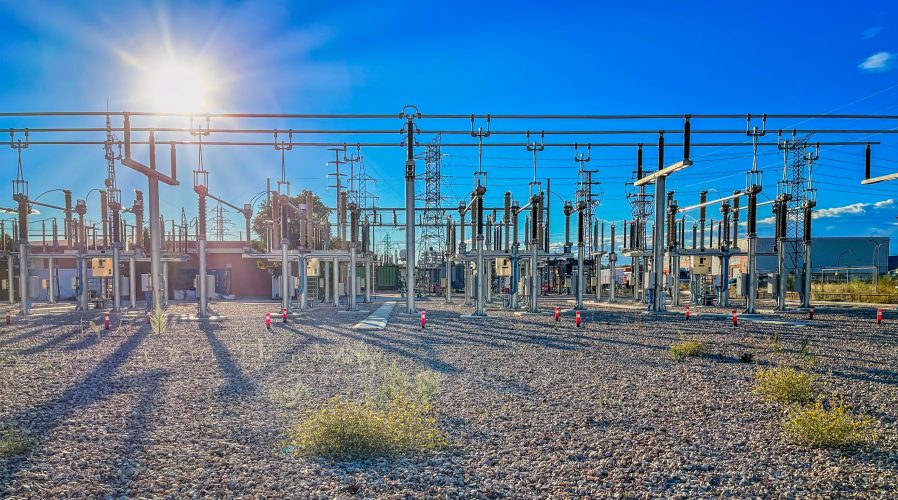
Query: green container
{"x": 387, "y": 277}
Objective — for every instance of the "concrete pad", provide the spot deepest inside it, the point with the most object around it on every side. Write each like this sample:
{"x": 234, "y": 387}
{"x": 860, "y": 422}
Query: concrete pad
{"x": 376, "y": 320}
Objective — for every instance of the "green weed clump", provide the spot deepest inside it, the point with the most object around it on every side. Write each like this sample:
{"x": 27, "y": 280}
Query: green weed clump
{"x": 817, "y": 426}
{"x": 394, "y": 419}
{"x": 14, "y": 442}
{"x": 688, "y": 348}
{"x": 294, "y": 397}
{"x": 786, "y": 385}
{"x": 158, "y": 320}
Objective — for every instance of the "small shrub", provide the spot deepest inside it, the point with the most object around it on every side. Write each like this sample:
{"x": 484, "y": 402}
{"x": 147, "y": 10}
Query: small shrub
{"x": 95, "y": 328}
{"x": 804, "y": 348}
{"x": 786, "y": 385}
{"x": 688, "y": 348}
{"x": 158, "y": 320}
{"x": 14, "y": 442}
{"x": 395, "y": 419}
{"x": 394, "y": 385}
{"x": 775, "y": 343}
{"x": 348, "y": 429}
{"x": 833, "y": 428}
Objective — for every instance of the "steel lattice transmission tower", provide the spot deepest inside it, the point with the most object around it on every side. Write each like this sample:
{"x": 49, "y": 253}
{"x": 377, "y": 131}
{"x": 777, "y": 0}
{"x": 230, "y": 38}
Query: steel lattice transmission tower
{"x": 797, "y": 165}
{"x": 221, "y": 224}
{"x": 432, "y": 234}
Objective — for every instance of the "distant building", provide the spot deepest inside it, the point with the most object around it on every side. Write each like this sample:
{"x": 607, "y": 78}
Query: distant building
{"x": 863, "y": 254}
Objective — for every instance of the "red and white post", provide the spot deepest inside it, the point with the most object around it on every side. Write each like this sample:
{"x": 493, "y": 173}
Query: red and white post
{"x": 879, "y": 316}
{"x": 557, "y": 313}
{"x": 106, "y": 322}
{"x": 578, "y": 319}
{"x": 285, "y": 314}
{"x": 735, "y": 318}
{"x": 268, "y": 320}
{"x": 423, "y": 318}
{"x": 811, "y": 312}
{"x": 687, "y": 312}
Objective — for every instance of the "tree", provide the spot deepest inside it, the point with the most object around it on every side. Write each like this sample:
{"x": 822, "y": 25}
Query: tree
{"x": 261, "y": 220}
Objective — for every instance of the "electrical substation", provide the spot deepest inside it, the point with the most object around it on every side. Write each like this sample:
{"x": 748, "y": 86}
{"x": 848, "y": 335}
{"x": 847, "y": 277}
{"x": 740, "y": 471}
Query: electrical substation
{"x": 431, "y": 250}
{"x": 443, "y": 305}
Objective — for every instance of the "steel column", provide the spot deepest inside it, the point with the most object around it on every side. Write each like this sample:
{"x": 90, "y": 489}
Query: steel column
{"x": 116, "y": 278}
{"x": 336, "y": 282}
{"x": 132, "y": 281}
{"x": 25, "y": 299}
{"x": 201, "y": 283}
{"x": 51, "y": 283}
{"x": 285, "y": 274}
{"x": 10, "y": 264}
{"x": 352, "y": 277}
{"x": 83, "y": 296}
{"x": 368, "y": 283}
{"x": 658, "y": 243}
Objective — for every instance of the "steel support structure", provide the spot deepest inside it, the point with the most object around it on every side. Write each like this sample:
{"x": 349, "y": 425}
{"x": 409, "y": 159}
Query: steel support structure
{"x": 410, "y": 255}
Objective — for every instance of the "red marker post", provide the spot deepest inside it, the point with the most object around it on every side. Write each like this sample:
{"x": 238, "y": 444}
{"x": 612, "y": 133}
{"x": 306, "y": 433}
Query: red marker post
{"x": 811, "y": 313}
{"x": 687, "y": 312}
{"x": 423, "y": 318}
{"x": 556, "y": 313}
{"x": 879, "y": 316}
{"x": 578, "y": 319}
{"x": 268, "y": 320}
{"x": 285, "y": 315}
{"x": 735, "y": 318}
{"x": 106, "y": 320}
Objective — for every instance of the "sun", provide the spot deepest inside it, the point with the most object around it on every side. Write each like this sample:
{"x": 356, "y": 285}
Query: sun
{"x": 175, "y": 86}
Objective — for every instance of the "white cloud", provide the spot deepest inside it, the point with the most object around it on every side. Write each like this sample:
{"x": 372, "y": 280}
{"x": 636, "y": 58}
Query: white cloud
{"x": 880, "y": 61}
{"x": 853, "y": 209}
{"x": 871, "y": 32}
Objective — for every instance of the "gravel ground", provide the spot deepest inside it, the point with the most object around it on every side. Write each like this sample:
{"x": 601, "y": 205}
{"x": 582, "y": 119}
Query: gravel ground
{"x": 532, "y": 408}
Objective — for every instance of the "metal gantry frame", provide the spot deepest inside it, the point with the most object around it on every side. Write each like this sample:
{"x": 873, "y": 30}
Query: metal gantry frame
{"x": 539, "y": 202}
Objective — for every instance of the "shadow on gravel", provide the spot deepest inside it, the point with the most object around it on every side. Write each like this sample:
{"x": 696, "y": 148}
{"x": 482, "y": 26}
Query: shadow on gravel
{"x": 388, "y": 344}
{"x": 459, "y": 330}
{"x": 238, "y": 384}
{"x": 869, "y": 375}
{"x": 306, "y": 339}
{"x": 87, "y": 341}
{"x": 36, "y": 326}
{"x": 128, "y": 465}
{"x": 53, "y": 342}
{"x": 94, "y": 387}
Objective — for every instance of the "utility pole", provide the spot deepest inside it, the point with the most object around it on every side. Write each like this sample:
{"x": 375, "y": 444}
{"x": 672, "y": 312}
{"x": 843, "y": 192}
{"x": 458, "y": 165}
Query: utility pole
{"x": 153, "y": 179}
{"x": 409, "y": 208}
{"x": 114, "y": 202}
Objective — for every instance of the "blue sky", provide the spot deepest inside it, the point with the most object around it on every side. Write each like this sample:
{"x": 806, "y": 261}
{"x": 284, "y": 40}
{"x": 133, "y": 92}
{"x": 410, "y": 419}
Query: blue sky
{"x": 470, "y": 57}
